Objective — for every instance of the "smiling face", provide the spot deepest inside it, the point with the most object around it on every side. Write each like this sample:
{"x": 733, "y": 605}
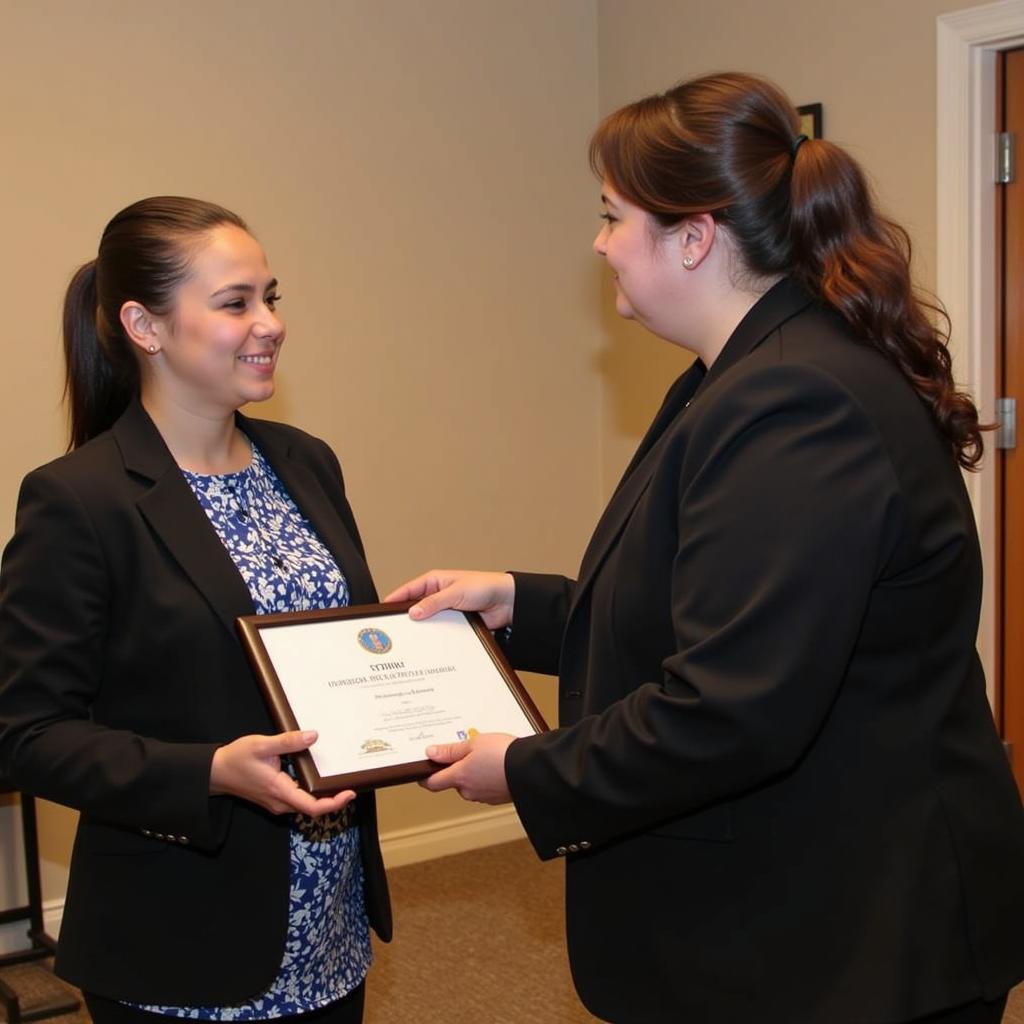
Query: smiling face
{"x": 218, "y": 347}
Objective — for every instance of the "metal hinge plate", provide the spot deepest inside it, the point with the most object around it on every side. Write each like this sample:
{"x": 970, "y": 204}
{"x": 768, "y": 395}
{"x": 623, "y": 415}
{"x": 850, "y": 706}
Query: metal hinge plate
{"x": 1006, "y": 420}
{"x": 1006, "y": 160}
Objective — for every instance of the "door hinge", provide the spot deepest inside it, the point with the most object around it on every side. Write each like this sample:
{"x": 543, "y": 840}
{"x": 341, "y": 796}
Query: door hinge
{"x": 1006, "y": 423}
{"x": 1006, "y": 160}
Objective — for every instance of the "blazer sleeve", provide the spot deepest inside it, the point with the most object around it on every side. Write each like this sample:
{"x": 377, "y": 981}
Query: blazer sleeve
{"x": 54, "y": 600}
{"x": 788, "y": 507}
{"x": 538, "y": 621}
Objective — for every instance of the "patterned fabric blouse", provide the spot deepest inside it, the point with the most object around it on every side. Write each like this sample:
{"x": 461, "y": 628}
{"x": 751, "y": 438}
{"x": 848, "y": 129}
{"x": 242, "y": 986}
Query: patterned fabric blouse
{"x": 287, "y": 568}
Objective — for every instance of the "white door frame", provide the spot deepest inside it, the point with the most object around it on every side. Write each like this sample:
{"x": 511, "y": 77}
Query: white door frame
{"x": 968, "y": 42}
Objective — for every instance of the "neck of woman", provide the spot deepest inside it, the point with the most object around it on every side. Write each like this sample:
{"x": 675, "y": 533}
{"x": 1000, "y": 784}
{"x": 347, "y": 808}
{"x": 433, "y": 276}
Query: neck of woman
{"x": 731, "y": 304}
{"x": 201, "y": 440}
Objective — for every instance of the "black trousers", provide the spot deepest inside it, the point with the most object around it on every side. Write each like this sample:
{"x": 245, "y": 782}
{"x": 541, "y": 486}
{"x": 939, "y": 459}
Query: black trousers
{"x": 348, "y": 1010}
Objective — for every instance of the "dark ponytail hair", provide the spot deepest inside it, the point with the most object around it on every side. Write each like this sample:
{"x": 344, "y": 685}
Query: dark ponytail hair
{"x": 729, "y": 145}
{"x": 145, "y": 254}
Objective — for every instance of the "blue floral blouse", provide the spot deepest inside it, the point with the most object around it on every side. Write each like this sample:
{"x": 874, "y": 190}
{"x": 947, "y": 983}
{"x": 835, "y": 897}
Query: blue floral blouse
{"x": 287, "y": 568}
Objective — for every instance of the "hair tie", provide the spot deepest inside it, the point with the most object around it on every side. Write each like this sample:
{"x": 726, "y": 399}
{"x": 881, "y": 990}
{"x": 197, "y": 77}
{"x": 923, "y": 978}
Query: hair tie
{"x": 797, "y": 143}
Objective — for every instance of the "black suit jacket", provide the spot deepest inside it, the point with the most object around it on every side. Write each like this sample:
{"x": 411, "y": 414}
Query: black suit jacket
{"x": 120, "y": 674}
{"x": 778, "y": 785}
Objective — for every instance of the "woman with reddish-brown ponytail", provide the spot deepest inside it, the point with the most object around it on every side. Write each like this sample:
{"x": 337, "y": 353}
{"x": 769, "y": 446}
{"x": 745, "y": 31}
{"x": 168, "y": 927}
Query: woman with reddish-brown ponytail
{"x": 777, "y": 784}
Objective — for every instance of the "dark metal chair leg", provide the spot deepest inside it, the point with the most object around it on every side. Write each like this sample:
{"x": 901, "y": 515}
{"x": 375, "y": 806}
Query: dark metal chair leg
{"x": 41, "y": 944}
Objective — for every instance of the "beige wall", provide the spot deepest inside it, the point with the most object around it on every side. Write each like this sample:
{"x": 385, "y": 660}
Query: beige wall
{"x": 416, "y": 173}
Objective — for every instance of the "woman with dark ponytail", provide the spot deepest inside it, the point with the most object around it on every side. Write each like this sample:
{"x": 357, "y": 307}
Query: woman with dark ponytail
{"x": 777, "y": 784}
{"x": 204, "y": 883}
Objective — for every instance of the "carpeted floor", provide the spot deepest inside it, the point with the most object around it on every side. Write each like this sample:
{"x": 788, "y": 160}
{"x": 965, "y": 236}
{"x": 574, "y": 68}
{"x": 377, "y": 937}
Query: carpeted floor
{"x": 478, "y": 941}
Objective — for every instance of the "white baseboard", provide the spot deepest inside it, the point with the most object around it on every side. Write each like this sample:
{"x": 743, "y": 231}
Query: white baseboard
{"x": 400, "y": 846}
{"x": 456, "y": 835}
{"x": 53, "y": 911}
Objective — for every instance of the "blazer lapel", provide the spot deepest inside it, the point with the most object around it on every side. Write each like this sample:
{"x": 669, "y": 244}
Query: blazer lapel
{"x": 174, "y": 515}
{"x": 637, "y": 476}
{"x": 308, "y": 494}
{"x": 781, "y": 302}
{"x": 677, "y": 399}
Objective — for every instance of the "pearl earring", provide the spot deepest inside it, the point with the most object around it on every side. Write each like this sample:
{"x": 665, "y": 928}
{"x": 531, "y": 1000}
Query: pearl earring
{"x": 688, "y": 262}
{"x": 151, "y": 349}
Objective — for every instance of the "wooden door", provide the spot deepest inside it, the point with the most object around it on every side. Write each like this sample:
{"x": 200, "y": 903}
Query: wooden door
{"x": 1010, "y": 462}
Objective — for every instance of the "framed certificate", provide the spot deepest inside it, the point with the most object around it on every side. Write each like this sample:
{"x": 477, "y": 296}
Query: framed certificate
{"x": 379, "y": 687}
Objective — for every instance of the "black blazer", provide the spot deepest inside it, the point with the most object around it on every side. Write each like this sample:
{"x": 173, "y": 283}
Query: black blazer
{"x": 120, "y": 674}
{"x": 778, "y": 785}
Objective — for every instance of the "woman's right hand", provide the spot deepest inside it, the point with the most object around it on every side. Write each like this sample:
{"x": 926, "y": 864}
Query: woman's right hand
{"x": 250, "y": 768}
{"x": 492, "y": 594}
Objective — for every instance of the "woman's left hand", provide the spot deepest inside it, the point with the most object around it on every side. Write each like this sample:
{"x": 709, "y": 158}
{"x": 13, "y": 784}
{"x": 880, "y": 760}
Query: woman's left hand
{"x": 476, "y": 768}
{"x": 250, "y": 768}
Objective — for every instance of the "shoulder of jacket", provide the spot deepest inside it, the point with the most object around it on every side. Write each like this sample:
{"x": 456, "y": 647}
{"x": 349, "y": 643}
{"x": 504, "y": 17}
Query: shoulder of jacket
{"x": 289, "y": 434}
{"x": 813, "y": 354}
{"x": 81, "y": 464}
{"x": 771, "y": 395}
{"x": 766, "y": 380}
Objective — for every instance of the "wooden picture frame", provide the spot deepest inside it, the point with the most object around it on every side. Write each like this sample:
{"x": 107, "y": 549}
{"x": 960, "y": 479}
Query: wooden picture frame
{"x": 380, "y": 687}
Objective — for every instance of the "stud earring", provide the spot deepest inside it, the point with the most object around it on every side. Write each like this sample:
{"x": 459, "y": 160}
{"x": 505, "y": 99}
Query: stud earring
{"x": 151, "y": 349}
{"x": 688, "y": 262}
